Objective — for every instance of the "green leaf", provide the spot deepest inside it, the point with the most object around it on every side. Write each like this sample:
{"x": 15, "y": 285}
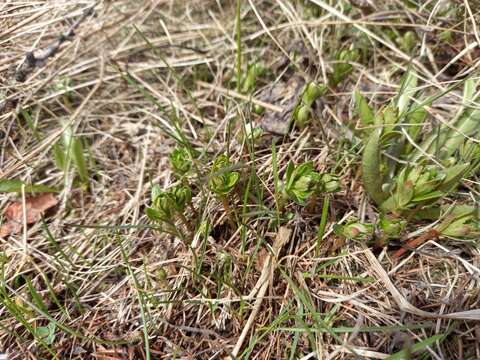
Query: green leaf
{"x": 47, "y": 333}
{"x": 405, "y": 354}
{"x": 153, "y": 214}
{"x": 371, "y": 174}
{"x": 78, "y": 157}
{"x": 414, "y": 119}
{"x": 181, "y": 195}
{"x": 59, "y": 156}
{"x": 428, "y": 196}
{"x": 340, "y": 72}
{"x": 391, "y": 227}
{"x": 354, "y": 230}
{"x": 390, "y": 117}
{"x": 408, "y": 88}
{"x": 16, "y": 186}
{"x": 363, "y": 110}
{"x": 453, "y": 176}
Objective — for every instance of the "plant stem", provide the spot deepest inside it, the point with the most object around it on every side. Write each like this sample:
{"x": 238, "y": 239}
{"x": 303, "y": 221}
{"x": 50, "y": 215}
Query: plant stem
{"x": 190, "y": 205}
{"x": 226, "y": 206}
{"x": 239, "y": 45}
{"x": 185, "y": 222}
{"x": 416, "y": 242}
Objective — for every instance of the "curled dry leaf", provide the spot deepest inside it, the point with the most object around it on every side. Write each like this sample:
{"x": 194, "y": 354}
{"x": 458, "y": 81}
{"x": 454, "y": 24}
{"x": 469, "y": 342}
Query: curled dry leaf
{"x": 35, "y": 207}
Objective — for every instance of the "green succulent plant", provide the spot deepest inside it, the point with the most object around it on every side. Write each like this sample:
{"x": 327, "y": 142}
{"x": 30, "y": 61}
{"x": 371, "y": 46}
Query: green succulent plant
{"x": 391, "y": 227}
{"x": 180, "y": 161}
{"x": 300, "y": 182}
{"x": 167, "y": 206}
{"x": 407, "y": 41}
{"x": 162, "y": 208}
{"x": 222, "y": 181}
{"x": 253, "y": 133}
{"x": 181, "y": 196}
{"x": 329, "y": 183}
{"x": 462, "y": 222}
{"x": 422, "y": 184}
{"x": 310, "y": 94}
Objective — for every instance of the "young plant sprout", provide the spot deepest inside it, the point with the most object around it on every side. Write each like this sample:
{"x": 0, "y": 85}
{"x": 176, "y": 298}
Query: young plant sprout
{"x": 254, "y": 71}
{"x": 310, "y": 94}
{"x": 167, "y": 205}
{"x": 222, "y": 182}
{"x": 407, "y": 41}
{"x": 182, "y": 196}
{"x": 162, "y": 206}
{"x": 342, "y": 67}
{"x": 300, "y": 182}
{"x": 390, "y": 227}
{"x": 180, "y": 161}
{"x": 405, "y": 184}
{"x": 355, "y": 230}
{"x": 329, "y": 183}
{"x": 252, "y": 133}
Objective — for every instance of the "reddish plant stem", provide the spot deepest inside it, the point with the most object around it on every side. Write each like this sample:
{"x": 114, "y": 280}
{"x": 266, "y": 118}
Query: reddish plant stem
{"x": 416, "y": 242}
{"x": 226, "y": 206}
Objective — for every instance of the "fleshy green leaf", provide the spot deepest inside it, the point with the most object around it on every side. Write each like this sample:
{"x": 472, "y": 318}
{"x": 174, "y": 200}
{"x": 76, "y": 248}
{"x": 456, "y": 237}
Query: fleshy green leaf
{"x": 371, "y": 175}
{"x": 363, "y": 110}
{"x": 407, "y": 90}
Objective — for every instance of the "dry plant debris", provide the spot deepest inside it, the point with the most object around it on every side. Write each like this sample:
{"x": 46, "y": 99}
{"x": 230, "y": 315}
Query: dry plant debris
{"x": 239, "y": 179}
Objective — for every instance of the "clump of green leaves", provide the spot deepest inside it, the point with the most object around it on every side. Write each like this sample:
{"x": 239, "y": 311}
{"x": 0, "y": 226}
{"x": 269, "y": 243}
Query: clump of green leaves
{"x": 302, "y": 181}
{"x": 251, "y": 133}
{"x": 162, "y": 206}
{"x": 422, "y": 184}
{"x": 403, "y": 182}
{"x": 310, "y": 94}
{"x": 168, "y": 206}
{"x": 222, "y": 182}
{"x": 180, "y": 161}
{"x": 46, "y": 333}
{"x": 391, "y": 227}
{"x": 249, "y": 83}
{"x": 329, "y": 183}
{"x": 462, "y": 221}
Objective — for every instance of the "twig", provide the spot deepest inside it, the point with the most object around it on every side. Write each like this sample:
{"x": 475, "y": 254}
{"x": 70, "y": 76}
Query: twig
{"x": 32, "y": 62}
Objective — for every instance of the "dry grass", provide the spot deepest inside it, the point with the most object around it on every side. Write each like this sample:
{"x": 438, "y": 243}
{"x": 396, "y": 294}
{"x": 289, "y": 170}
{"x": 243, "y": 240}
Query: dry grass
{"x": 115, "y": 287}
